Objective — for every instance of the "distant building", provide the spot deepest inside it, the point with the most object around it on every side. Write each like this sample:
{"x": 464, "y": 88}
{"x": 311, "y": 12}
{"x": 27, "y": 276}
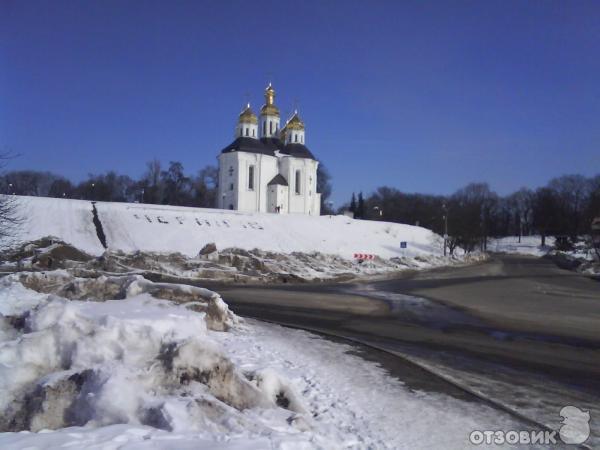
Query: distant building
{"x": 268, "y": 168}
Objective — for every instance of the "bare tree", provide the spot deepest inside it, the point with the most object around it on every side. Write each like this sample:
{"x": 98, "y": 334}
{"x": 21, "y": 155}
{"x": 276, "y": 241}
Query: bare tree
{"x": 152, "y": 184}
{"x": 9, "y": 218}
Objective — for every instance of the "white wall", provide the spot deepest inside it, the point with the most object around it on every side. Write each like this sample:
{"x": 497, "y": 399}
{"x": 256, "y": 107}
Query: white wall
{"x": 277, "y": 196}
{"x": 269, "y": 133}
{"x": 265, "y": 168}
{"x": 226, "y": 195}
{"x": 303, "y": 203}
{"x": 252, "y": 130}
{"x": 246, "y": 199}
{"x": 295, "y": 137}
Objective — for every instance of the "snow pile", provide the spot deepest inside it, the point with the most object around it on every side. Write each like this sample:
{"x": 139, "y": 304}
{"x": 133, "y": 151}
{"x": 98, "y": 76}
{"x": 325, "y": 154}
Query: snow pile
{"x": 139, "y": 361}
{"x": 141, "y": 372}
{"x": 529, "y": 245}
{"x": 167, "y": 229}
{"x": 64, "y": 284}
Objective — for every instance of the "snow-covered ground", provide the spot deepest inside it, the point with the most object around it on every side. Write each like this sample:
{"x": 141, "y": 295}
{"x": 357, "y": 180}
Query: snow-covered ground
{"x": 131, "y": 227}
{"x": 145, "y": 372}
{"x": 529, "y": 245}
{"x": 582, "y": 257}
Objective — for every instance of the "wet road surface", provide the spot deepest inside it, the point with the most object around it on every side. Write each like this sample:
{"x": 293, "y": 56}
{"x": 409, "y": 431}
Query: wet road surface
{"x": 519, "y": 330}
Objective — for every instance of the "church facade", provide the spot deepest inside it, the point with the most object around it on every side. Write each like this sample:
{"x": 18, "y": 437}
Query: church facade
{"x": 268, "y": 168}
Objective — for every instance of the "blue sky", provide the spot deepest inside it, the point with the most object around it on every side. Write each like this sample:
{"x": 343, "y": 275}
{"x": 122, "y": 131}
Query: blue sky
{"x": 422, "y": 96}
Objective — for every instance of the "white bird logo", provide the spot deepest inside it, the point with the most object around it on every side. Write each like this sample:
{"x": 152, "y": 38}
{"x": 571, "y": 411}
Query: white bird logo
{"x": 576, "y": 425}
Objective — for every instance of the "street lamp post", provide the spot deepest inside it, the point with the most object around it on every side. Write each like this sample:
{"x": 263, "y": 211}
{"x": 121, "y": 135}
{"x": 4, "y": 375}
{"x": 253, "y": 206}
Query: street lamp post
{"x": 445, "y": 227}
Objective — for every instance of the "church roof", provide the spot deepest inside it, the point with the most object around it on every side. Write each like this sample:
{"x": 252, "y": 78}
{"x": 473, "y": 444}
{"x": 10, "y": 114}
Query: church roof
{"x": 268, "y": 146}
{"x": 297, "y": 151}
{"x": 249, "y": 145}
{"x": 278, "y": 179}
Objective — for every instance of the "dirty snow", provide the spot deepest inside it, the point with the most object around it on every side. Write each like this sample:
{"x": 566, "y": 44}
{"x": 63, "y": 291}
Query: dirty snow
{"x": 143, "y": 372}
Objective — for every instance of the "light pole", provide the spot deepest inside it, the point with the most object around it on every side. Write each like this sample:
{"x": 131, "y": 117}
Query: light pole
{"x": 445, "y": 209}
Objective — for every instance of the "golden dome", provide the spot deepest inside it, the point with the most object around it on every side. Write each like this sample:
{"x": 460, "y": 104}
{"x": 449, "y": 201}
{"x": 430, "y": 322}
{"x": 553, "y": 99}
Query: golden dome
{"x": 269, "y": 107}
{"x": 269, "y": 110}
{"x": 294, "y": 123}
{"x": 248, "y": 116}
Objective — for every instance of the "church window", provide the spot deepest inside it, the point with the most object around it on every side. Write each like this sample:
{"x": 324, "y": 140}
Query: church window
{"x": 247, "y": 132}
{"x": 253, "y": 133}
{"x": 230, "y": 171}
{"x": 270, "y": 127}
{"x": 231, "y": 186}
{"x": 264, "y": 128}
{"x": 251, "y": 178}
{"x": 297, "y": 183}
{"x": 295, "y": 138}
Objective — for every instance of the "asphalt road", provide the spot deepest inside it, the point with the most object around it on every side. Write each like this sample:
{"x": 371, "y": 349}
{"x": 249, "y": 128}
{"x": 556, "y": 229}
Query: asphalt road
{"x": 519, "y": 329}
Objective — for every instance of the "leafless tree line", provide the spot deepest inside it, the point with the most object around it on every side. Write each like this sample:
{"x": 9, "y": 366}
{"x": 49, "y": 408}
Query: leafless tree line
{"x": 565, "y": 208}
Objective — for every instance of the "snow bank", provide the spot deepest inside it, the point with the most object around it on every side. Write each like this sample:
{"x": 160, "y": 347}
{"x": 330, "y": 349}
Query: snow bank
{"x": 153, "y": 228}
{"x": 529, "y": 245}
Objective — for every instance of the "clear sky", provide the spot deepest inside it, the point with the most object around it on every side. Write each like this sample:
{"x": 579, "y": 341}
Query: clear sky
{"x": 424, "y": 96}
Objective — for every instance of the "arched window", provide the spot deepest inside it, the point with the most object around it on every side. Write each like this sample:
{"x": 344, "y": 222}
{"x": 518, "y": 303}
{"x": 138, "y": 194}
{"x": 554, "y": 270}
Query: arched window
{"x": 253, "y": 133}
{"x": 251, "y": 178}
{"x": 297, "y": 183}
{"x": 270, "y": 127}
{"x": 247, "y": 132}
{"x": 295, "y": 138}
{"x": 264, "y": 127}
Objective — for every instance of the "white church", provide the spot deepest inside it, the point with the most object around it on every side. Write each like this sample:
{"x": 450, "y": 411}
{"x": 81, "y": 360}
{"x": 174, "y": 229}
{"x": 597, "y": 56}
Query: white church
{"x": 268, "y": 168}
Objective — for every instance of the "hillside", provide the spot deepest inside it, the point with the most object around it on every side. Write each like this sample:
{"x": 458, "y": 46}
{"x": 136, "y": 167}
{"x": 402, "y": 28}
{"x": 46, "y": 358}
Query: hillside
{"x": 167, "y": 229}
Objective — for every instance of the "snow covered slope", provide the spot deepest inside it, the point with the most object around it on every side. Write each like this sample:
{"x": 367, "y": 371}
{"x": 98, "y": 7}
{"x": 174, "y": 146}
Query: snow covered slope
{"x": 155, "y": 228}
{"x": 69, "y": 220}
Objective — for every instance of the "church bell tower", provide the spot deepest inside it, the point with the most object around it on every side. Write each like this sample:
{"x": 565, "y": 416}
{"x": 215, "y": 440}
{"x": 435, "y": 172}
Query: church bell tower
{"x": 269, "y": 115}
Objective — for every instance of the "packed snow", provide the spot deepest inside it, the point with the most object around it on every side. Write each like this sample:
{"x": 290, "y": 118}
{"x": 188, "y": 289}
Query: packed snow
{"x": 146, "y": 372}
